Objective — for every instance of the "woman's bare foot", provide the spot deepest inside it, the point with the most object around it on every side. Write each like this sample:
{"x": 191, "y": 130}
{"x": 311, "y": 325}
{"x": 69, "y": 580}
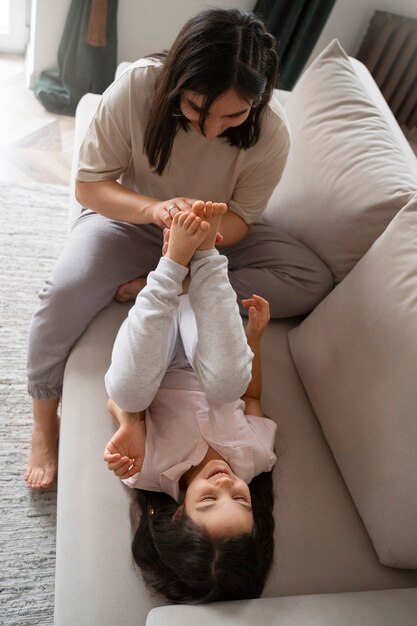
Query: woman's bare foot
{"x": 187, "y": 233}
{"x": 128, "y": 291}
{"x": 42, "y": 466}
{"x": 211, "y": 212}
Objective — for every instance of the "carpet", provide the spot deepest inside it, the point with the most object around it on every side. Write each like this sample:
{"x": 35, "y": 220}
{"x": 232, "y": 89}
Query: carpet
{"x": 33, "y": 229}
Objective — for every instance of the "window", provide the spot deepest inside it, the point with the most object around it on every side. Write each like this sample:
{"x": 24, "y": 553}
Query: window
{"x": 14, "y": 25}
{"x": 4, "y": 17}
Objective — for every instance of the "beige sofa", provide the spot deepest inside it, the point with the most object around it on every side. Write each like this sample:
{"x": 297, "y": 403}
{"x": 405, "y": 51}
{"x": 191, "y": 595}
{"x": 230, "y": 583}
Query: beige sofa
{"x": 340, "y": 384}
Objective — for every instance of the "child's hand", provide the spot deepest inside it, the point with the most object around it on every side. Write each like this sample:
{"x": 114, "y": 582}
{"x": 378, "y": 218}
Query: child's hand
{"x": 125, "y": 452}
{"x": 258, "y": 316}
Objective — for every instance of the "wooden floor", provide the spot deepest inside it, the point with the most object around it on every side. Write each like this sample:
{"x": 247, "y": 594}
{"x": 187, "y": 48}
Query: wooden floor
{"x": 35, "y": 146}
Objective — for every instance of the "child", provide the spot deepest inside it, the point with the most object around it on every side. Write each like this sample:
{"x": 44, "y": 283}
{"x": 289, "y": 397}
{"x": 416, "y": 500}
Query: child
{"x": 191, "y": 428}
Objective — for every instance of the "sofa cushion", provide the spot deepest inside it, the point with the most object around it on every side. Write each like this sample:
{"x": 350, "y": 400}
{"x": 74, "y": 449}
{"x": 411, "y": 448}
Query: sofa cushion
{"x": 347, "y": 175}
{"x": 356, "y": 355}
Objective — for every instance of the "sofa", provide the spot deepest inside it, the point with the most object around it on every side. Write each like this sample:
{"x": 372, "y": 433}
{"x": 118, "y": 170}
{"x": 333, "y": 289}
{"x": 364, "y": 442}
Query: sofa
{"x": 340, "y": 384}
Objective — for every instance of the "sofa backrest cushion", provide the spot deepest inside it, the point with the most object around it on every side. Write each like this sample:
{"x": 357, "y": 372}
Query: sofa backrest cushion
{"x": 347, "y": 175}
{"x": 356, "y": 355}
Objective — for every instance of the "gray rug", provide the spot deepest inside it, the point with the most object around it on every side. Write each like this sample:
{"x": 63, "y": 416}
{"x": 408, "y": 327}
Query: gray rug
{"x": 33, "y": 228}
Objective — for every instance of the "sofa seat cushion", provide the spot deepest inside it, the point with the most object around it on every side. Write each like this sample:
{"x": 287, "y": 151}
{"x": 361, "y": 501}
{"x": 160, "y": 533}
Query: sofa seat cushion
{"x": 321, "y": 543}
{"x": 347, "y": 175}
{"x": 96, "y": 581}
{"x": 356, "y": 355}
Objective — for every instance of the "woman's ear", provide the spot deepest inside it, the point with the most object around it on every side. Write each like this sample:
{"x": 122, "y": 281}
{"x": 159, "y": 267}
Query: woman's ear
{"x": 178, "y": 513}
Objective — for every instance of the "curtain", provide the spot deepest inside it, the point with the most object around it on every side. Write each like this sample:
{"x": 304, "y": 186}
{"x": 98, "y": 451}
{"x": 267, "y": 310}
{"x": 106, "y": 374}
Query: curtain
{"x": 296, "y": 25}
{"x": 87, "y": 56}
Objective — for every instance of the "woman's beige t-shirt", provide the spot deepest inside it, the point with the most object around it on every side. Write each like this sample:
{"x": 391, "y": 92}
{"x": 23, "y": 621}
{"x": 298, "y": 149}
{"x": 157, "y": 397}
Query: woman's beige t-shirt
{"x": 199, "y": 168}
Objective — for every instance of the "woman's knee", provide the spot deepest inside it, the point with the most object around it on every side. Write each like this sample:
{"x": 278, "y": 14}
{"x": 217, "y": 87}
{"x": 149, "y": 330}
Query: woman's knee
{"x": 70, "y": 295}
{"x": 281, "y": 269}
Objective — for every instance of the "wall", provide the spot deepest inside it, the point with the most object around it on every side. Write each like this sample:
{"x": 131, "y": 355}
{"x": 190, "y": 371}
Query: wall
{"x": 46, "y": 26}
{"x": 349, "y": 20}
{"x": 144, "y": 26}
{"x": 156, "y": 25}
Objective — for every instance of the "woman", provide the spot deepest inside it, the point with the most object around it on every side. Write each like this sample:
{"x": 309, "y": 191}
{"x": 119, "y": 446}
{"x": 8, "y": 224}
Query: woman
{"x": 196, "y": 124}
{"x": 192, "y": 439}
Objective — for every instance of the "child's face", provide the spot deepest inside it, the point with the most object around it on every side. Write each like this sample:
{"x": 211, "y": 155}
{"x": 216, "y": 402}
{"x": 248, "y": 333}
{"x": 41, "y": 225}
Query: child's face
{"x": 219, "y": 501}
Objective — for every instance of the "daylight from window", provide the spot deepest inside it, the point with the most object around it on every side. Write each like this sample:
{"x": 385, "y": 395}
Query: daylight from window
{"x": 4, "y": 17}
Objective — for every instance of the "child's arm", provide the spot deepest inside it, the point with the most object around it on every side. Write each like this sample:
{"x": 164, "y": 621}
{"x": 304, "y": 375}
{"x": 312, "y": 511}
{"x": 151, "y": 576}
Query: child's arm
{"x": 125, "y": 452}
{"x": 258, "y": 318}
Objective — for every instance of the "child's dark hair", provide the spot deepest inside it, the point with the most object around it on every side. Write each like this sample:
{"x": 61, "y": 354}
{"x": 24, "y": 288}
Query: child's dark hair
{"x": 217, "y": 50}
{"x": 180, "y": 560}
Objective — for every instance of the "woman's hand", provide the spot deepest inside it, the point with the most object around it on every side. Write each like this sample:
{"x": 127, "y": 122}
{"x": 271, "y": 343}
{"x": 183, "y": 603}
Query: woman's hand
{"x": 164, "y": 211}
{"x": 258, "y": 317}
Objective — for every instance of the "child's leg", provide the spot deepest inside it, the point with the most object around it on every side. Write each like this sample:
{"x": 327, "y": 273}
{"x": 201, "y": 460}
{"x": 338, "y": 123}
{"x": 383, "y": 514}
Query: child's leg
{"x": 212, "y": 331}
{"x": 147, "y": 339}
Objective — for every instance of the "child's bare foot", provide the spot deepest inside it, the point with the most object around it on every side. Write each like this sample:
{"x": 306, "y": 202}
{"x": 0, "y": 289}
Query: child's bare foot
{"x": 211, "y": 212}
{"x": 42, "y": 466}
{"x": 187, "y": 233}
{"x": 199, "y": 209}
{"x": 166, "y": 239}
{"x": 128, "y": 291}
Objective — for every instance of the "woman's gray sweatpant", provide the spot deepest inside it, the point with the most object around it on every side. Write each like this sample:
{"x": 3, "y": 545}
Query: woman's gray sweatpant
{"x": 163, "y": 329}
{"x": 101, "y": 254}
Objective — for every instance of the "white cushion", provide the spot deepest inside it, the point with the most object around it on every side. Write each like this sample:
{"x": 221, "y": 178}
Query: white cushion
{"x": 356, "y": 355}
{"x": 347, "y": 175}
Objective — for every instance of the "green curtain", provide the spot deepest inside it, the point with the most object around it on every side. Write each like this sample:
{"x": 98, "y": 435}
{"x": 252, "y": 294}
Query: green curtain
{"x": 296, "y": 25}
{"x": 82, "y": 67}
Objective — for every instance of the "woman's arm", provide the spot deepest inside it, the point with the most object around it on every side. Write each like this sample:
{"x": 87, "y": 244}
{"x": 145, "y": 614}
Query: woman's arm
{"x": 113, "y": 200}
{"x": 258, "y": 312}
{"x": 232, "y": 228}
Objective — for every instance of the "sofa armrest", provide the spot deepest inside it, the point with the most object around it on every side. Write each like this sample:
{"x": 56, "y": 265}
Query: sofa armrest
{"x": 86, "y": 108}
{"x": 391, "y": 606}
{"x": 121, "y": 68}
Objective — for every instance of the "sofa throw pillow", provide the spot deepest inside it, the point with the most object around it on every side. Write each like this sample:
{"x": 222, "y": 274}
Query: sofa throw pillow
{"x": 346, "y": 175}
{"x": 356, "y": 354}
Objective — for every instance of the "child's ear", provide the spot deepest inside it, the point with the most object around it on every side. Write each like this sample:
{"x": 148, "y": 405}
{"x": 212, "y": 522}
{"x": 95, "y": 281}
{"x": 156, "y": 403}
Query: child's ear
{"x": 178, "y": 513}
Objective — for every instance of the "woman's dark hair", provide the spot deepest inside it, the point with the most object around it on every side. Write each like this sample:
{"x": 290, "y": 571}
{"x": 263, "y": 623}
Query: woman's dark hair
{"x": 215, "y": 51}
{"x": 180, "y": 560}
